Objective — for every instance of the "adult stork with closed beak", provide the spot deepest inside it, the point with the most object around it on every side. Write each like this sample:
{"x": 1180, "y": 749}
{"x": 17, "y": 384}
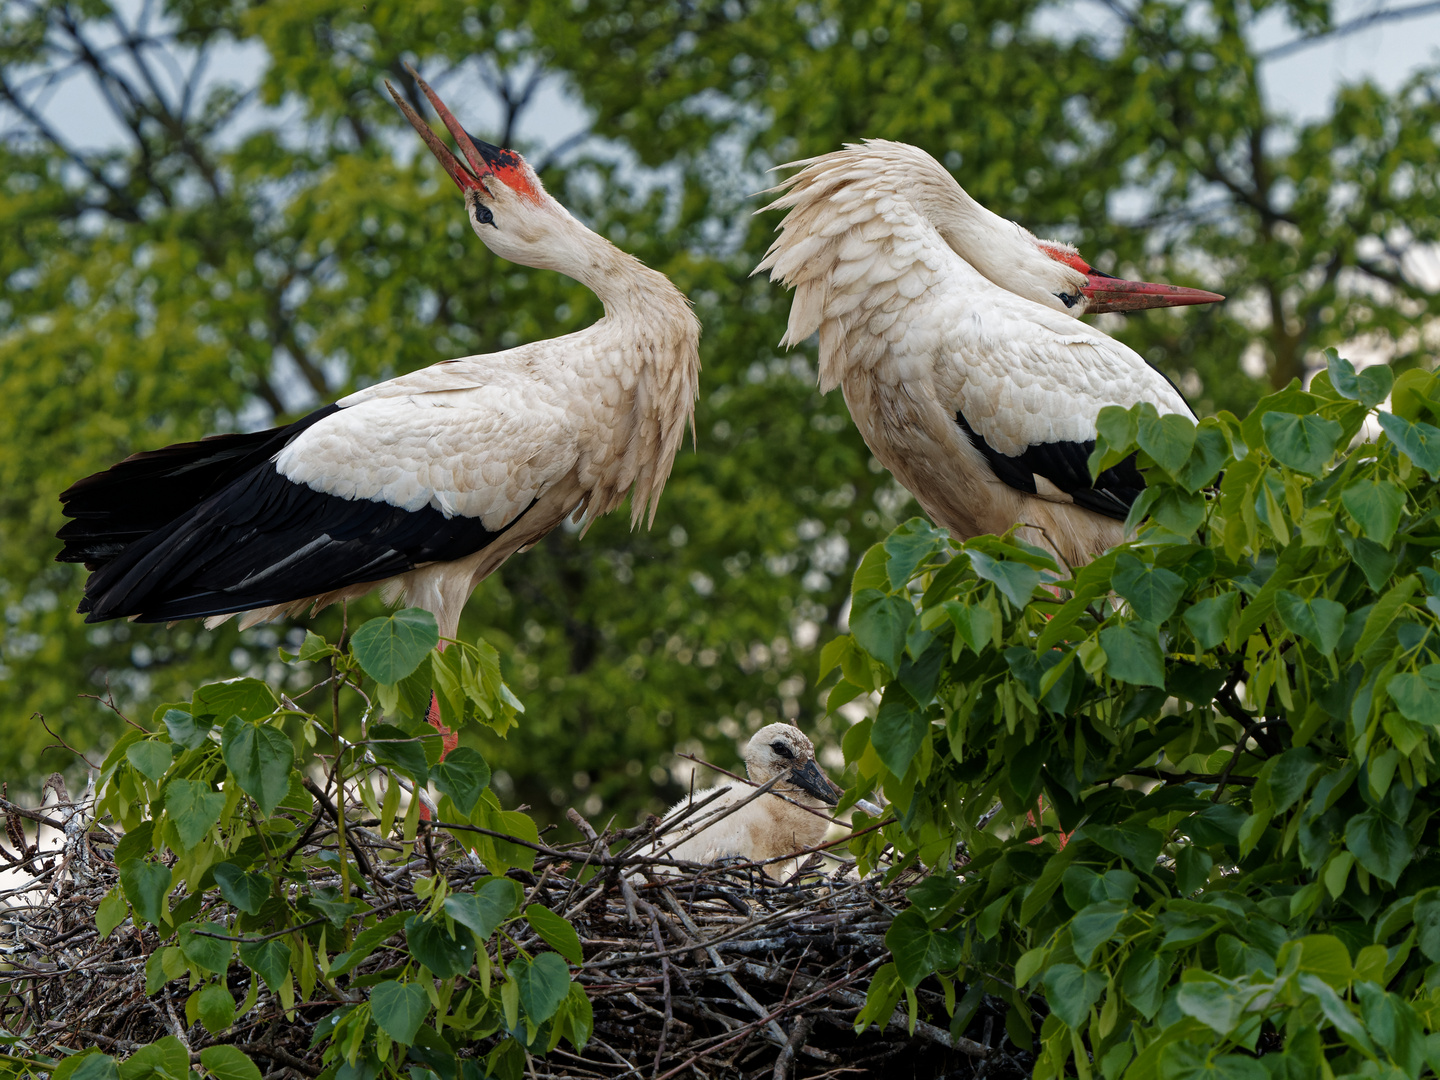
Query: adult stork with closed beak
{"x": 953, "y": 334}
{"x": 424, "y": 484}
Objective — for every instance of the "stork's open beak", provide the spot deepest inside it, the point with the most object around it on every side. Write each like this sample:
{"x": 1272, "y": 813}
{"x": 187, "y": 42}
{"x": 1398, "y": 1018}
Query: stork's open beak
{"x": 463, "y": 177}
{"x": 809, "y": 778}
{"x": 1108, "y": 293}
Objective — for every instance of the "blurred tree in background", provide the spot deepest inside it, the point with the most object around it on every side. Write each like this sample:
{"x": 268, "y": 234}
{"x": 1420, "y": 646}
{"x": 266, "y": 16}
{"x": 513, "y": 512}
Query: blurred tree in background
{"x": 242, "y": 252}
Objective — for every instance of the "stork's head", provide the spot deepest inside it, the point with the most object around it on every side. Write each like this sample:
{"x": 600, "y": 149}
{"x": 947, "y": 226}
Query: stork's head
{"x": 782, "y": 750}
{"x": 1083, "y": 290}
{"x": 508, "y": 207}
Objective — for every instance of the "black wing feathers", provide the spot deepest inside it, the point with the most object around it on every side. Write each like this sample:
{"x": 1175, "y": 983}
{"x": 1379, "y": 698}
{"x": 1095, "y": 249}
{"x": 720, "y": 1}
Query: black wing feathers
{"x": 1064, "y": 464}
{"x": 212, "y": 528}
{"x": 145, "y": 492}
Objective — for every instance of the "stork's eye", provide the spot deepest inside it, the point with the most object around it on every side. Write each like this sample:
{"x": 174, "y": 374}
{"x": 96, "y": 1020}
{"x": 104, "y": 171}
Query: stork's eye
{"x": 483, "y": 215}
{"x": 781, "y": 749}
{"x": 1069, "y": 299}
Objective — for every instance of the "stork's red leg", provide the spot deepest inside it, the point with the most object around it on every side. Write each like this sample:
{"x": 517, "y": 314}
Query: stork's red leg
{"x": 449, "y": 740}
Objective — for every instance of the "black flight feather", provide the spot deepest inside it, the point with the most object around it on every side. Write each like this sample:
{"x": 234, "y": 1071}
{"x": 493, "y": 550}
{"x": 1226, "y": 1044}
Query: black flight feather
{"x": 240, "y": 535}
{"x": 147, "y": 491}
{"x": 1064, "y": 464}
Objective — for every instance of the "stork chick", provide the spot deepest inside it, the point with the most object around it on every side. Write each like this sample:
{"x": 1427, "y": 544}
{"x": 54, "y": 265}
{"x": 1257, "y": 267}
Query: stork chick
{"x": 423, "y": 484}
{"x": 768, "y": 827}
{"x": 953, "y": 335}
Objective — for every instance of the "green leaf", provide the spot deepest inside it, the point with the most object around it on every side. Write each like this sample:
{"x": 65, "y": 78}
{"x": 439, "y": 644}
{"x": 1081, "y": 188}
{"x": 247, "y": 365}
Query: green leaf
{"x": 1167, "y": 439}
{"x": 315, "y": 647}
{"x": 445, "y": 954}
{"x": 399, "y": 1008}
{"x": 974, "y": 625}
{"x": 1318, "y": 621}
{"x": 151, "y": 757}
{"x": 88, "y": 1064}
{"x": 1134, "y": 655}
{"x": 555, "y": 932}
{"x": 194, "y": 809}
{"x": 919, "y": 950}
{"x": 1094, "y": 926}
{"x": 216, "y": 1008}
{"x": 486, "y": 908}
{"x": 1303, "y": 443}
{"x": 1140, "y": 982}
{"x": 1336, "y": 1011}
{"x": 900, "y": 727}
{"x": 910, "y": 546}
{"x": 225, "y": 1062}
{"x": 111, "y": 913}
{"x": 1139, "y": 845}
{"x": 1016, "y": 581}
{"x": 1209, "y": 620}
{"x": 166, "y": 1057}
{"x": 366, "y": 942}
{"x": 1370, "y": 387}
{"x": 399, "y": 750}
{"x": 268, "y": 959}
{"x": 1420, "y": 442}
{"x": 1290, "y": 776}
{"x": 1375, "y": 505}
{"x": 1380, "y": 845}
{"x": 1153, "y": 593}
{"x": 260, "y": 759}
{"x": 462, "y": 775}
{"x": 146, "y": 886}
{"x": 880, "y": 623}
{"x": 1215, "y": 1002}
{"x": 248, "y": 892}
{"x": 1115, "y": 428}
{"x": 1070, "y": 992}
{"x": 249, "y": 699}
{"x": 391, "y": 648}
{"x": 135, "y": 843}
{"x": 185, "y": 730}
{"x": 1208, "y": 456}
{"x": 210, "y": 953}
{"x": 1417, "y": 694}
{"x": 544, "y": 983}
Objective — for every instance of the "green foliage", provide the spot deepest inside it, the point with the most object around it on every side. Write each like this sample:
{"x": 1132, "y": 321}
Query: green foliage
{"x": 220, "y": 822}
{"x": 1187, "y": 788}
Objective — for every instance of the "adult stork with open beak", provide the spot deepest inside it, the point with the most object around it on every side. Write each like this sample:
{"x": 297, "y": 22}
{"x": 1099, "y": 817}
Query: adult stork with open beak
{"x": 424, "y": 484}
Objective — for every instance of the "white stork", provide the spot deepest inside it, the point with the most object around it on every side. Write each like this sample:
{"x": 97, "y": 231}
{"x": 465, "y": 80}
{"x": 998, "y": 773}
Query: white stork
{"x": 767, "y": 827}
{"x": 423, "y": 484}
{"x": 953, "y": 335}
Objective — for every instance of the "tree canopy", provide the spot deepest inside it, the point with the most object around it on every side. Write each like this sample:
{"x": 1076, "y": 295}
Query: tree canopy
{"x": 243, "y": 252}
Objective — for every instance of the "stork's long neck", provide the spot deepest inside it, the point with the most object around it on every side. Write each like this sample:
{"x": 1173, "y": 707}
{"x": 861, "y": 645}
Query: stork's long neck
{"x": 660, "y": 337}
{"x": 630, "y": 290}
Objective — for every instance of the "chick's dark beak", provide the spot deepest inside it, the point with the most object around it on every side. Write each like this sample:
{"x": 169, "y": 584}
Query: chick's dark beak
{"x": 810, "y": 779}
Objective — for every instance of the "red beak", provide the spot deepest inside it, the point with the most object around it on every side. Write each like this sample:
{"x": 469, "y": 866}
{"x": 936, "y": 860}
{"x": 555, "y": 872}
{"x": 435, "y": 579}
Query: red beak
{"x": 463, "y": 178}
{"x": 1107, "y": 293}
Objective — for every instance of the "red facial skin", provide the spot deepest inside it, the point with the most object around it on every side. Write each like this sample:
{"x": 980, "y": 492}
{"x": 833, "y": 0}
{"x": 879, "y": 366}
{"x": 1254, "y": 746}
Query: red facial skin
{"x": 1107, "y": 293}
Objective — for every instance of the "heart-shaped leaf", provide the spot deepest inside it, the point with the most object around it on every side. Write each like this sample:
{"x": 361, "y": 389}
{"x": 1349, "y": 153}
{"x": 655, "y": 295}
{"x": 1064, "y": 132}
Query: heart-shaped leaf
{"x": 260, "y": 758}
{"x": 400, "y": 1007}
{"x": 463, "y": 775}
{"x": 194, "y": 809}
{"x": 391, "y": 648}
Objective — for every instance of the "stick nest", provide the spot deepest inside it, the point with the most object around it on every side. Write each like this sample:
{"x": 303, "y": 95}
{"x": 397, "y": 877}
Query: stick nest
{"x": 714, "y": 971}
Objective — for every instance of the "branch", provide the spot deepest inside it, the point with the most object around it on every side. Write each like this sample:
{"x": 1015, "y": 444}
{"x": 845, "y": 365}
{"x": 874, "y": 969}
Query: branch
{"x": 1350, "y": 26}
